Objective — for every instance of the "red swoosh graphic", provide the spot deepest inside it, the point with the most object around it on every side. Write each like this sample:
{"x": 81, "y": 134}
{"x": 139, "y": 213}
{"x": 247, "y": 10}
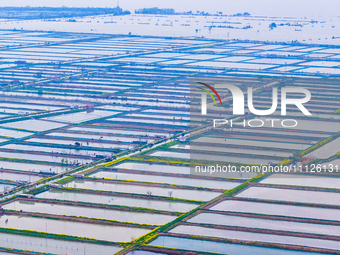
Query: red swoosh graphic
{"x": 213, "y": 90}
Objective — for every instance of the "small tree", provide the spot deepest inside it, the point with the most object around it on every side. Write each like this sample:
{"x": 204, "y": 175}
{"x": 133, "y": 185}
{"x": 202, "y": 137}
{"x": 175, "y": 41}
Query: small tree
{"x": 272, "y": 25}
{"x": 296, "y": 155}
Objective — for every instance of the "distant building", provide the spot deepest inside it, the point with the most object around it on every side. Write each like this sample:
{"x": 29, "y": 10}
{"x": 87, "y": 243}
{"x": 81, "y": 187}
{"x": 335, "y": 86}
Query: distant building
{"x": 20, "y": 62}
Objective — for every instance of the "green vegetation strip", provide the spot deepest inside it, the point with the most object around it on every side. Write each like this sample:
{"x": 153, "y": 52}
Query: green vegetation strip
{"x": 65, "y": 180}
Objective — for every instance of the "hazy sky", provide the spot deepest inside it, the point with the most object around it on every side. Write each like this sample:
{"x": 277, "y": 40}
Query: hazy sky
{"x": 255, "y": 7}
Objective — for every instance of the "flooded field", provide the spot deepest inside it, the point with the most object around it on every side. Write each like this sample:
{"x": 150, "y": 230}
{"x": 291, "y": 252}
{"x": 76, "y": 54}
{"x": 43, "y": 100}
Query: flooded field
{"x": 198, "y": 195}
{"x": 168, "y": 25}
{"x": 201, "y": 156}
{"x": 142, "y": 218}
{"x": 73, "y": 142}
{"x": 302, "y": 196}
{"x": 278, "y": 209}
{"x": 165, "y": 179}
{"x": 256, "y": 237}
{"x": 303, "y": 180}
{"x": 226, "y": 220}
{"x": 100, "y": 232}
{"x": 53, "y": 150}
{"x": 13, "y": 133}
{"x": 255, "y": 142}
{"x": 327, "y": 150}
{"x": 117, "y": 200}
{"x": 33, "y": 125}
{"x": 209, "y": 246}
{"x": 13, "y": 176}
{"x": 99, "y": 127}
{"x": 115, "y": 131}
{"x": 235, "y": 150}
{"x": 30, "y": 167}
{"x": 81, "y": 117}
{"x": 47, "y": 245}
{"x": 97, "y": 137}
{"x": 155, "y": 168}
{"x": 52, "y": 159}
{"x": 4, "y": 187}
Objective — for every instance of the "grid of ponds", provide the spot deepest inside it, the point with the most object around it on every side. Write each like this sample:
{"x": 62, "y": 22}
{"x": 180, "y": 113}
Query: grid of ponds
{"x": 71, "y": 100}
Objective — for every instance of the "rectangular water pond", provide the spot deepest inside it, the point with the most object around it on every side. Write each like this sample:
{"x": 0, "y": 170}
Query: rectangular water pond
{"x": 54, "y": 246}
{"x": 291, "y": 195}
{"x": 99, "y": 213}
{"x": 327, "y": 150}
{"x": 97, "y": 137}
{"x": 256, "y": 237}
{"x": 13, "y": 133}
{"x": 82, "y": 143}
{"x": 221, "y": 248}
{"x": 32, "y": 167}
{"x": 248, "y": 222}
{"x": 81, "y": 116}
{"x": 34, "y": 125}
{"x": 254, "y": 142}
{"x": 115, "y": 200}
{"x": 278, "y": 209}
{"x": 118, "y": 131}
{"x": 303, "y": 180}
{"x": 213, "y": 157}
{"x": 234, "y": 150}
{"x": 19, "y": 177}
{"x": 47, "y": 158}
{"x": 199, "y": 195}
{"x": 53, "y": 149}
{"x": 99, "y": 232}
{"x": 155, "y": 167}
{"x": 166, "y": 179}
{"x": 4, "y": 187}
